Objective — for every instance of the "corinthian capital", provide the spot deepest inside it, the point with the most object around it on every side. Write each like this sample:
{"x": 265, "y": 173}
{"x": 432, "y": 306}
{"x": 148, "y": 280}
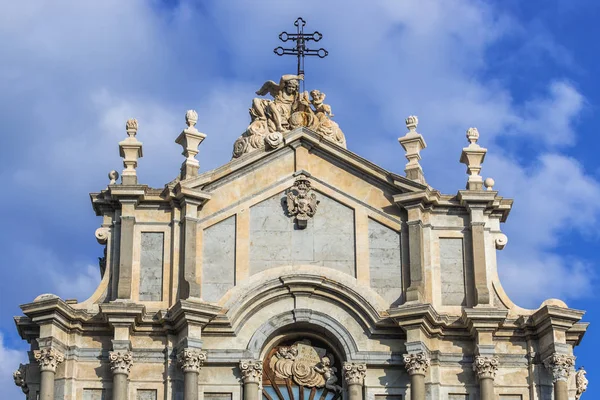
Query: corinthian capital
{"x": 120, "y": 362}
{"x": 354, "y": 373}
{"x": 191, "y": 360}
{"x": 486, "y": 367}
{"x": 560, "y": 365}
{"x": 416, "y": 363}
{"x": 48, "y": 359}
{"x": 251, "y": 371}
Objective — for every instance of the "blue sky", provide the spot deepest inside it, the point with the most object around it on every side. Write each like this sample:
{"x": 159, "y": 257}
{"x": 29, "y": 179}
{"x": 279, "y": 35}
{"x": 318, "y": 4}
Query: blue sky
{"x": 523, "y": 72}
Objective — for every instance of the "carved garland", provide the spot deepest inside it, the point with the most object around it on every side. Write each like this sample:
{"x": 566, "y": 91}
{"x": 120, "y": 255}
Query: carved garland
{"x": 486, "y": 367}
{"x": 355, "y": 373}
{"x": 191, "y": 360}
{"x": 416, "y": 363}
{"x": 251, "y": 371}
{"x": 48, "y": 359}
{"x": 120, "y": 362}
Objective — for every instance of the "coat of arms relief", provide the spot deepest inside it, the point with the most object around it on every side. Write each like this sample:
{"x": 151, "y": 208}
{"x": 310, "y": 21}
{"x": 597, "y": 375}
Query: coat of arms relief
{"x": 301, "y": 202}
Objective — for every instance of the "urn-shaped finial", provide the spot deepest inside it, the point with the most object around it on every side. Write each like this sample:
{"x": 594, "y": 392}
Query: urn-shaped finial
{"x": 411, "y": 122}
{"x": 190, "y": 139}
{"x": 413, "y": 143}
{"x": 131, "y": 126}
{"x": 191, "y": 118}
{"x": 472, "y": 135}
{"x": 472, "y": 156}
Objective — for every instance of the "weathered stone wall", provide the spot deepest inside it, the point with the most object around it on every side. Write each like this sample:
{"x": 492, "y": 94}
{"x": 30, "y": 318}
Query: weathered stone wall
{"x": 452, "y": 267}
{"x": 151, "y": 266}
{"x": 218, "y": 259}
{"x": 385, "y": 262}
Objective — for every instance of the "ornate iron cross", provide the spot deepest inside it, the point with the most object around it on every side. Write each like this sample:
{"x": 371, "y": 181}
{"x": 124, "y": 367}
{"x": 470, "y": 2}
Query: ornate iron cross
{"x": 300, "y": 50}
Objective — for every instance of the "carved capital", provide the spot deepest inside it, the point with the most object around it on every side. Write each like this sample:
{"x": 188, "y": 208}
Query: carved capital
{"x": 560, "y": 366}
{"x": 354, "y": 373}
{"x": 191, "y": 360}
{"x": 120, "y": 362}
{"x": 48, "y": 359}
{"x": 416, "y": 363}
{"x": 20, "y": 378}
{"x": 486, "y": 367}
{"x": 251, "y": 371}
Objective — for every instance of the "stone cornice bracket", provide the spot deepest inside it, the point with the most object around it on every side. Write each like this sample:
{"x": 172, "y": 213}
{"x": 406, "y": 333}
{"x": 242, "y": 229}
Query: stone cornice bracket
{"x": 481, "y": 320}
{"x": 560, "y": 366}
{"x": 120, "y": 361}
{"x": 251, "y": 371}
{"x": 191, "y": 360}
{"x": 48, "y": 359}
{"x": 472, "y": 156}
{"x": 486, "y": 366}
{"x": 20, "y": 378}
{"x": 102, "y": 234}
{"x": 354, "y": 373}
{"x": 413, "y": 143}
{"x": 416, "y": 363}
{"x": 130, "y": 150}
{"x": 190, "y": 139}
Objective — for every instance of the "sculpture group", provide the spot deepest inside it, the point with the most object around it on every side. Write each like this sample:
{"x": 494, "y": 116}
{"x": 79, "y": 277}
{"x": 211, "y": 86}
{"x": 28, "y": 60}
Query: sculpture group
{"x": 289, "y": 109}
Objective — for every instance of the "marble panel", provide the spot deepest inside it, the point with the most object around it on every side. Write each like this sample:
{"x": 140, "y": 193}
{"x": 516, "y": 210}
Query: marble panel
{"x": 218, "y": 259}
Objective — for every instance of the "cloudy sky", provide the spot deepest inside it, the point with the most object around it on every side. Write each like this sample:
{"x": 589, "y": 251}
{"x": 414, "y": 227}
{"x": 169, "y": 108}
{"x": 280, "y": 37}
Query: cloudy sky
{"x": 523, "y": 72}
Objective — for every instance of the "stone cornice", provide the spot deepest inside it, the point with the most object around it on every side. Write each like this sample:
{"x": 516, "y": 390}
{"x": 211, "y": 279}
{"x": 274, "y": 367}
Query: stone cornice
{"x": 186, "y": 312}
{"x": 483, "y": 319}
{"x": 122, "y": 313}
{"x": 53, "y": 311}
{"x": 425, "y": 317}
{"x": 486, "y": 198}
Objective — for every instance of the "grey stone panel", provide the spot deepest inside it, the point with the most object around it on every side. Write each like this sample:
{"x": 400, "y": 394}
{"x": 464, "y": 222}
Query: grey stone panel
{"x": 511, "y": 397}
{"x": 217, "y": 396}
{"x": 94, "y": 394}
{"x": 151, "y": 266}
{"x": 218, "y": 259}
{"x": 455, "y": 396}
{"x": 452, "y": 266}
{"x": 385, "y": 261}
{"x": 146, "y": 394}
{"x": 328, "y": 239}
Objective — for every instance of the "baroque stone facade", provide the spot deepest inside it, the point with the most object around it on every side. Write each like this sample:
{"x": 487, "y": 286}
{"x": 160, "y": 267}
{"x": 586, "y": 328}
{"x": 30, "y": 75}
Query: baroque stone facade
{"x": 298, "y": 270}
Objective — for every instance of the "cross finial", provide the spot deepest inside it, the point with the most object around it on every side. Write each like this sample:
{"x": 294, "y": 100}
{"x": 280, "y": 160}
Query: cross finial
{"x": 300, "y": 50}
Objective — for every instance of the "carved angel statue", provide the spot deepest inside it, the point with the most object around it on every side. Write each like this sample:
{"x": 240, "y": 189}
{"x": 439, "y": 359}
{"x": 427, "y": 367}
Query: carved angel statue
{"x": 328, "y": 372}
{"x": 302, "y": 202}
{"x": 581, "y": 382}
{"x": 278, "y": 111}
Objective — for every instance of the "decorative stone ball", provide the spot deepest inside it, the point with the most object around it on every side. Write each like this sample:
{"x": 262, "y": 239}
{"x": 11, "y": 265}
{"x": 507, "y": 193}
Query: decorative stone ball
{"x": 46, "y": 296}
{"x": 113, "y": 176}
{"x": 489, "y": 183}
{"x": 554, "y": 302}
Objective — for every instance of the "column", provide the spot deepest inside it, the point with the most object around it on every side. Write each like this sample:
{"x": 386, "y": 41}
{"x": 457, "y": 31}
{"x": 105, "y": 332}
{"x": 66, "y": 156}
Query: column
{"x": 120, "y": 365}
{"x": 560, "y": 366}
{"x": 416, "y": 365}
{"x": 251, "y": 376}
{"x": 48, "y": 359}
{"x": 486, "y": 368}
{"x": 354, "y": 374}
{"x": 191, "y": 360}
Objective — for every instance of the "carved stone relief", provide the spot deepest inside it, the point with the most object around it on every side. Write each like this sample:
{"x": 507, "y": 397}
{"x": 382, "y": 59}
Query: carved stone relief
{"x": 302, "y": 202}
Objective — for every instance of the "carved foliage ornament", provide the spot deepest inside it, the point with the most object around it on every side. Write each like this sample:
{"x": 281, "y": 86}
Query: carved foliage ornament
{"x": 302, "y": 202}
{"x": 120, "y": 362}
{"x": 191, "y": 360}
{"x": 416, "y": 363}
{"x": 581, "y": 382}
{"x": 251, "y": 371}
{"x": 560, "y": 365}
{"x": 48, "y": 359}
{"x": 20, "y": 378}
{"x": 486, "y": 367}
{"x": 354, "y": 373}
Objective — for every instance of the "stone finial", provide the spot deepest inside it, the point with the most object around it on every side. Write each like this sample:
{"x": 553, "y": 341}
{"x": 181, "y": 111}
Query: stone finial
{"x": 251, "y": 371}
{"x": 489, "y": 183}
{"x": 486, "y": 366}
{"x": 113, "y": 176}
{"x": 413, "y": 143}
{"x": 581, "y": 382}
{"x": 190, "y": 139}
{"x": 131, "y": 150}
{"x": 48, "y": 359}
{"x": 191, "y": 360}
{"x": 20, "y": 379}
{"x": 472, "y": 156}
{"x": 354, "y": 373}
{"x": 120, "y": 361}
{"x": 416, "y": 363}
{"x": 560, "y": 366}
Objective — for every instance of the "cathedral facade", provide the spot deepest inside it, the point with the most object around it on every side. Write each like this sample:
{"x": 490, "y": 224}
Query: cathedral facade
{"x": 298, "y": 271}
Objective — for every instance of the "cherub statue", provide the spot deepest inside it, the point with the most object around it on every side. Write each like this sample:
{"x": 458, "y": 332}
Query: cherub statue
{"x": 276, "y": 112}
{"x": 581, "y": 382}
{"x": 328, "y": 372}
{"x": 317, "y": 99}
